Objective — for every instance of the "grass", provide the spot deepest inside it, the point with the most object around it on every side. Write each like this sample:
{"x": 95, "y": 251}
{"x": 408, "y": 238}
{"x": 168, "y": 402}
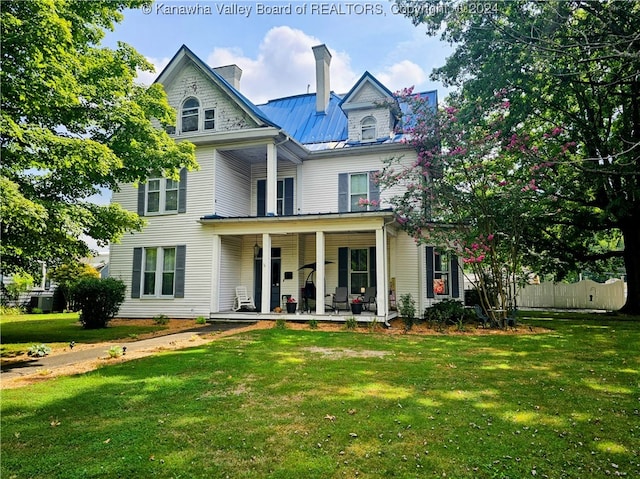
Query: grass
{"x": 281, "y": 403}
{"x": 20, "y": 331}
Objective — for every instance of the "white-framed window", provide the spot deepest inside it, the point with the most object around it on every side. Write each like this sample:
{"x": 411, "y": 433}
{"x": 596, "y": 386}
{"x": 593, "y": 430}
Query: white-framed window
{"x": 441, "y": 273}
{"x": 162, "y": 195}
{"x": 190, "y": 114}
{"x": 358, "y": 191}
{"x": 358, "y": 269}
{"x": 209, "y": 119}
{"x": 159, "y": 271}
{"x": 368, "y": 129}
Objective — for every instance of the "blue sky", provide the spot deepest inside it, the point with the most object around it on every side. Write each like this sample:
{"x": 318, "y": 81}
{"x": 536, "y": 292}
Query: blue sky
{"x": 274, "y": 50}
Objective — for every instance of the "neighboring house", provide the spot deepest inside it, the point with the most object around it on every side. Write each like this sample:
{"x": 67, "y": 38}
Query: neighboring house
{"x": 280, "y": 185}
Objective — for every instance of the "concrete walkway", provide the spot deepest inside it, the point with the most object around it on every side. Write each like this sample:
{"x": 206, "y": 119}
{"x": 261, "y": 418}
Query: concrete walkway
{"x": 99, "y": 351}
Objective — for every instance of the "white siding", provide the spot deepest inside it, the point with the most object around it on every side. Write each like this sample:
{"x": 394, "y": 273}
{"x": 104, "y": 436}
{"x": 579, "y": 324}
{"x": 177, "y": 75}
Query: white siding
{"x": 407, "y": 269}
{"x": 233, "y": 188}
{"x": 172, "y": 230}
{"x": 319, "y": 182}
{"x": 230, "y": 274}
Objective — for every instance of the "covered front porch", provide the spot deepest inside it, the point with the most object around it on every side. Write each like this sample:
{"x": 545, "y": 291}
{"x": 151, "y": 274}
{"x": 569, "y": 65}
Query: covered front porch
{"x": 270, "y": 256}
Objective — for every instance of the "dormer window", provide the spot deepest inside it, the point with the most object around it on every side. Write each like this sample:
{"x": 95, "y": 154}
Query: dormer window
{"x": 368, "y": 129}
{"x": 190, "y": 115}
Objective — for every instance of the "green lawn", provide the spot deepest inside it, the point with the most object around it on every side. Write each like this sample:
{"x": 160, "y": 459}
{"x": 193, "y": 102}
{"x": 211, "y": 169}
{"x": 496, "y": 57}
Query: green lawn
{"x": 311, "y": 404}
{"x": 19, "y": 331}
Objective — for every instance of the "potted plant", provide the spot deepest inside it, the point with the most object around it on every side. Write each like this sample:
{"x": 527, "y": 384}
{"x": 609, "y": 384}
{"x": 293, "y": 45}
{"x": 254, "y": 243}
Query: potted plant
{"x": 356, "y": 305}
{"x": 292, "y": 305}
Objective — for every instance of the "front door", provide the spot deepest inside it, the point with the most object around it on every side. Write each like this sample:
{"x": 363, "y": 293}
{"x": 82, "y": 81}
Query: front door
{"x": 276, "y": 274}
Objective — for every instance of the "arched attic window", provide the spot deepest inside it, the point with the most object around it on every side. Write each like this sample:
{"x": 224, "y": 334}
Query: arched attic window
{"x": 368, "y": 128}
{"x": 190, "y": 110}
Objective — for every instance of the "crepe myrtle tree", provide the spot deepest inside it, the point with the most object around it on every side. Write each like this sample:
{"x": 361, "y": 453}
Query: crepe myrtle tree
{"x": 475, "y": 191}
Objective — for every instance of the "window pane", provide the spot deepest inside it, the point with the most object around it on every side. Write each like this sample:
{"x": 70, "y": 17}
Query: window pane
{"x": 359, "y": 184}
{"x": 209, "y": 119}
{"x": 149, "y": 283}
{"x": 355, "y": 203}
{"x": 171, "y": 201}
{"x": 167, "y": 284}
{"x": 153, "y": 202}
{"x": 150, "y": 259}
{"x": 359, "y": 260}
{"x": 358, "y": 281}
{"x": 191, "y": 103}
{"x": 154, "y": 185}
{"x": 189, "y": 122}
{"x": 169, "y": 263}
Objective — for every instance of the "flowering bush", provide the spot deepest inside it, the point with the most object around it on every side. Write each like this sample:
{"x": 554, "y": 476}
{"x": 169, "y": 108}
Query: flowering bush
{"x": 291, "y": 300}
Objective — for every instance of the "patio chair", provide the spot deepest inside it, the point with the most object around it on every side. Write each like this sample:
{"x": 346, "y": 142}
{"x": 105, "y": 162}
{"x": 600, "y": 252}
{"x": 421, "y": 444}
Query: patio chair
{"x": 340, "y": 296}
{"x": 370, "y": 298}
{"x": 483, "y": 318}
{"x": 510, "y": 320}
{"x": 242, "y": 300}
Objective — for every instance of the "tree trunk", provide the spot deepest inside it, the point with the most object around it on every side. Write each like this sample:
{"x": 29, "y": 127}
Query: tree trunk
{"x": 631, "y": 234}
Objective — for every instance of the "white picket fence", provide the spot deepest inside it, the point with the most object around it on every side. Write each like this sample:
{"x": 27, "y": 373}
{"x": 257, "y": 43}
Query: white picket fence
{"x": 585, "y": 294}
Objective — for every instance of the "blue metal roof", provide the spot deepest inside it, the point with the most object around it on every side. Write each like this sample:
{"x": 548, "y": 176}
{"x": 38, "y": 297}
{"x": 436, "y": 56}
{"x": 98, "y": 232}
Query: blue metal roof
{"x": 297, "y": 116}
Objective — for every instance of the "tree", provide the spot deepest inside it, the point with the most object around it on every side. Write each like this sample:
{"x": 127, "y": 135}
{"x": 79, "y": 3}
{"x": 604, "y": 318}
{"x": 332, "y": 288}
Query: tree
{"x": 73, "y": 122}
{"x": 569, "y": 67}
{"x": 68, "y": 274}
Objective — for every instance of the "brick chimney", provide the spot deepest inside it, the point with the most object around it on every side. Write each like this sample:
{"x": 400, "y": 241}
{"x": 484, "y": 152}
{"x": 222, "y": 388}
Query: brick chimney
{"x": 323, "y": 59}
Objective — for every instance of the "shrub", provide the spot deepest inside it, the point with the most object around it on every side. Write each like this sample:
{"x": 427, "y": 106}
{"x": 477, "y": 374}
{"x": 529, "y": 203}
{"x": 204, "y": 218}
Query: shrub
{"x": 407, "y": 310}
{"x": 351, "y": 323}
{"x": 36, "y": 311}
{"x": 161, "y": 319}
{"x": 281, "y": 323}
{"x": 39, "y": 350}
{"x": 98, "y": 299}
{"x": 115, "y": 352}
{"x": 313, "y": 323}
{"x": 448, "y": 311}
{"x": 201, "y": 320}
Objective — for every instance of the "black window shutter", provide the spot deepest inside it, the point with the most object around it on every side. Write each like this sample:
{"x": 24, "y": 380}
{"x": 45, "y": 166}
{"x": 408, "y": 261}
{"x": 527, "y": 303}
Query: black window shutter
{"x": 181, "y": 253}
{"x": 137, "y": 272}
{"x": 262, "y": 197}
{"x": 142, "y": 193}
{"x": 429, "y": 252}
{"x": 182, "y": 191}
{"x": 288, "y": 196}
{"x": 374, "y": 191}
{"x": 343, "y": 267}
{"x": 455, "y": 285}
{"x": 372, "y": 266}
{"x": 343, "y": 192}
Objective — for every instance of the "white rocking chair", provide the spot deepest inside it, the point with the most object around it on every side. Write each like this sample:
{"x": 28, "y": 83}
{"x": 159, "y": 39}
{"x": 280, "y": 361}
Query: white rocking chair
{"x": 243, "y": 300}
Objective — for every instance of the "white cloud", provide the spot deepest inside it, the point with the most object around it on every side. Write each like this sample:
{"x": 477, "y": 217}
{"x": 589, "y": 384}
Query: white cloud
{"x": 147, "y": 78}
{"x": 401, "y": 75}
{"x": 284, "y": 66}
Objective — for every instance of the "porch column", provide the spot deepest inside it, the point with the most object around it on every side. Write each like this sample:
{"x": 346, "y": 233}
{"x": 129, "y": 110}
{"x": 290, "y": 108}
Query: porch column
{"x": 272, "y": 179}
{"x": 319, "y": 272}
{"x": 382, "y": 291}
{"x": 216, "y": 251}
{"x": 265, "y": 304}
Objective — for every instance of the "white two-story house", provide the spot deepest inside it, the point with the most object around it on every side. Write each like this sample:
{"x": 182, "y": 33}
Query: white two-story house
{"x": 281, "y": 186}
